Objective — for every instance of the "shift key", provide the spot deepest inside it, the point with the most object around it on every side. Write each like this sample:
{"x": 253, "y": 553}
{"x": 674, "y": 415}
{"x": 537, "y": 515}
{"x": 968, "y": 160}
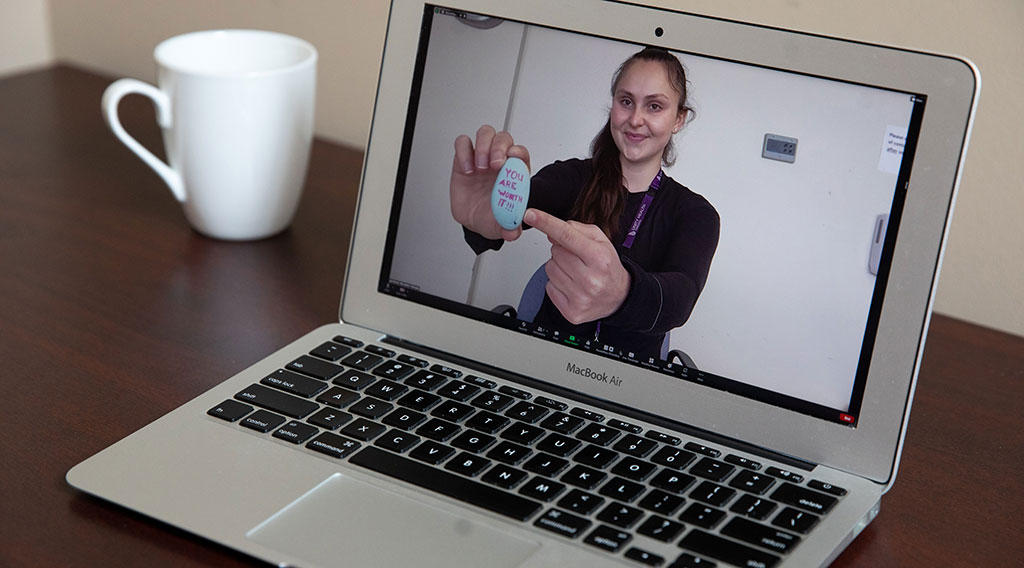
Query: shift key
{"x": 277, "y": 401}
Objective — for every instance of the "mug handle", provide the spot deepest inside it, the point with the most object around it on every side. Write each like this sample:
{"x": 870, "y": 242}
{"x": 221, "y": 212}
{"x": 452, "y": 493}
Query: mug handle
{"x": 112, "y": 97}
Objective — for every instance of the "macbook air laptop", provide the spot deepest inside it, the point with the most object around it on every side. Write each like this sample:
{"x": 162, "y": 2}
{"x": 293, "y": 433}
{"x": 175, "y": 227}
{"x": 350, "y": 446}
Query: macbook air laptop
{"x": 440, "y": 423}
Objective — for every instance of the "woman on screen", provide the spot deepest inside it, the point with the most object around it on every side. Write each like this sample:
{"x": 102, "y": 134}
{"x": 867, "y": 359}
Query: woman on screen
{"x": 630, "y": 246}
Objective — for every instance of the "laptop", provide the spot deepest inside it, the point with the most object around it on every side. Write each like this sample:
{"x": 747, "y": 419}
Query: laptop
{"x": 437, "y": 424}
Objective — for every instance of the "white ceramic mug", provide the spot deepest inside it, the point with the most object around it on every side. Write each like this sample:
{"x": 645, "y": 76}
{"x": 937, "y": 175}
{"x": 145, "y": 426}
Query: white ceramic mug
{"x": 236, "y": 109}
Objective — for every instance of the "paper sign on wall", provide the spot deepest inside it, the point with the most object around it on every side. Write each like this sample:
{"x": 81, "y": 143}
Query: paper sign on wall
{"x": 892, "y": 149}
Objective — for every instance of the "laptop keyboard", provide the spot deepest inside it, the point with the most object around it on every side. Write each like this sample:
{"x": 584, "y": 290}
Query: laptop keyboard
{"x": 573, "y": 472}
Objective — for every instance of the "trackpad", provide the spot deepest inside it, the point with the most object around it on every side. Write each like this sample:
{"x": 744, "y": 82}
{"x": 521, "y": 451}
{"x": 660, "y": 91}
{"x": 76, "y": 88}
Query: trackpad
{"x": 346, "y": 522}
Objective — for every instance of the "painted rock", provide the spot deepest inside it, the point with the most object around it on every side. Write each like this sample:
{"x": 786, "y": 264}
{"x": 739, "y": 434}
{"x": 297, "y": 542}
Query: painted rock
{"x": 511, "y": 193}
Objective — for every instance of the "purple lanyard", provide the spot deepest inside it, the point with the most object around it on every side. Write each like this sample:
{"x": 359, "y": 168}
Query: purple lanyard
{"x": 637, "y": 221}
{"x": 642, "y": 212}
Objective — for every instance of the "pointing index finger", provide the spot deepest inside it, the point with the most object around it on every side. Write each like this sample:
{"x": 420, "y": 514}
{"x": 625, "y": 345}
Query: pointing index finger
{"x": 562, "y": 233}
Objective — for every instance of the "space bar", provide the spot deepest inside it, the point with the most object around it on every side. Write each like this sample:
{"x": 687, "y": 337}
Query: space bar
{"x": 446, "y": 483}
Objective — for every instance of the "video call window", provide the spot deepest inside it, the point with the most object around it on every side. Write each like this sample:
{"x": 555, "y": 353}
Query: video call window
{"x": 805, "y": 174}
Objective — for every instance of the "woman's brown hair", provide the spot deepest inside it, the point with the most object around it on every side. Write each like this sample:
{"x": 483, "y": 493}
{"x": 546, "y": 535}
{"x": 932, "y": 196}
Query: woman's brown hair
{"x": 602, "y": 200}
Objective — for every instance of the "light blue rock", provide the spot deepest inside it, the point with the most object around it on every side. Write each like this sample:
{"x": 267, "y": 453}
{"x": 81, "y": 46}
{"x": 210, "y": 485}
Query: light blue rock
{"x": 511, "y": 193}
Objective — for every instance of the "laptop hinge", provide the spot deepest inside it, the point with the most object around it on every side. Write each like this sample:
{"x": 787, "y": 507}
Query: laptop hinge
{"x": 659, "y": 421}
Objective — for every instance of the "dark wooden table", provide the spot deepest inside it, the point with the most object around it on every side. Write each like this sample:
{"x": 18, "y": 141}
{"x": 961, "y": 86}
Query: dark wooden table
{"x": 113, "y": 312}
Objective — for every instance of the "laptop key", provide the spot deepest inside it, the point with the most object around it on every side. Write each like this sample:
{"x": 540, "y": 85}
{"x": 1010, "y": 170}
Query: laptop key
{"x": 451, "y": 485}
{"x": 481, "y": 382}
{"x": 803, "y": 498}
{"x": 331, "y": 351}
{"x": 386, "y": 390}
{"x": 333, "y": 445}
{"x": 467, "y": 464}
{"x": 598, "y": 434}
{"x": 712, "y": 494}
{"x": 397, "y": 441}
{"x": 363, "y": 430}
{"x": 551, "y": 403}
{"x": 487, "y": 422}
{"x": 711, "y": 469}
{"x": 702, "y": 449}
{"x": 673, "y": 457}
{"x": 313, "y": 367}
{"x": 753, "y": 482}
{"x": 644, "y": 557}
{"x": 595, "y": 456}
{"x": 419, "y": 400}
{"x": 262, "y": 421}
{"x": 714, "y": 546}
{"x": 588, "y": 414}
{"x": 559, "y": 445}
{"x": 427, "y": 380}
{"x": 527, "y": 412}
{"x": 348, "y": 341}
{"x": 608, "y": 538}
{"x": 542, "y": 488}
{"x": 764, "y": 536}
{"x": 753, "y": 507}
{"x": 795, "y": 520}
{"x": 660, "y": 528}
{"x": 404, "y": 419}
{"x": 635, "y": 445}
{"x": 393, "y": 370}
{"x": 277, "y": 401}
{"x": 634, "y": 469}
{"x": 581, "y": 502}
{"x": 370, "y": 408}
{"x": 826, "y": 487}
{"x": 672, "y": 481}
{"x": 620, "y": 515}
{"x": 702, "y": 515}
{"x": 622, "y": 489}
{"x": 354, "y": 380}
{"x": 230, "y": 410}
{"x": 784, "y": 474}
{"x": 295, "y": 432}
{"x": 431, "y": 452}
{"x": 459, "y": 391}
{"x": 446, "y": 371}
{"x": 472, "y": 441}
{"x": 438, "y": 430}
{"x": 361, "y": 360}
{"x": 329, "y": 418}
{"x": 546, "y": 465}
{"x": 414, "y": 361}
{"x": 560, "y": 522}
{"x": 504, "y": 476}
{"x": 509, "y": 453}
{"x": 337, "y": 397}
{"x": 378, "y": 350}
{"x": 687, "y": 560}
{"x": 453, "y": 411}
{"x": 522, "y": 433}
{"x": 294, "y": 383}
{"x": 562, "y": 423}
{"x": 584, "y": 477}
{"x": 663, "y": 438}
{"x": 495, "y": 402}
{"x": 659, "y": 501}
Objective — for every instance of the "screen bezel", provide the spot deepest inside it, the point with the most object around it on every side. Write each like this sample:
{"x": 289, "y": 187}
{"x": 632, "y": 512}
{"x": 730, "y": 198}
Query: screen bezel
{"x": 872, "y": 447}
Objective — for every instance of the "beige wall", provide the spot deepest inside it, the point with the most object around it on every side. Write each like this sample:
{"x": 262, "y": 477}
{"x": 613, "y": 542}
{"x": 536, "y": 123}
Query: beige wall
{"x": 983, "y": 275}
{"x": 25, "y": 40}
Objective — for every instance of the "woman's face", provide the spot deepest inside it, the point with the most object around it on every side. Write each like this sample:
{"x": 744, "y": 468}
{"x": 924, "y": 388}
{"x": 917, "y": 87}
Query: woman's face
{"x": 644, "y": 113}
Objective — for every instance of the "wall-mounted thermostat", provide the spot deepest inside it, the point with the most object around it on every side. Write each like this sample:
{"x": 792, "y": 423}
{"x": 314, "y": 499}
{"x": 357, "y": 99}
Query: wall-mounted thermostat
{"x": 781, "y": 148}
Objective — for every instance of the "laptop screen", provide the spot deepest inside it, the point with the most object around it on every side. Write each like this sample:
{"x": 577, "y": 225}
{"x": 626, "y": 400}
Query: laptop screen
{"x": 757, "y": 260}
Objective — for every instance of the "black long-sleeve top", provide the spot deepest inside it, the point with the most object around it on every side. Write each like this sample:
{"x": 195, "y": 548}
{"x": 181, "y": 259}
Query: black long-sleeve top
{"x": 668, "y": 262}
